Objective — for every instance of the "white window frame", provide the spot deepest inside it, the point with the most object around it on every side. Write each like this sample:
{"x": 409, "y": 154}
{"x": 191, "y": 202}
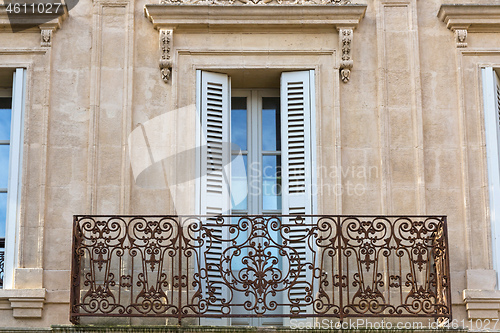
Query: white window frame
{"x": 254, "y": 140}
{"x": 15, "y": 175}
{"x": 492, "y": 136}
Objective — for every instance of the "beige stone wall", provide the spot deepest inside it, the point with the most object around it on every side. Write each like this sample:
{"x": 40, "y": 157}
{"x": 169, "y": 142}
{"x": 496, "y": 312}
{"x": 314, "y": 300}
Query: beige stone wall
{"x": 412, "y": 111}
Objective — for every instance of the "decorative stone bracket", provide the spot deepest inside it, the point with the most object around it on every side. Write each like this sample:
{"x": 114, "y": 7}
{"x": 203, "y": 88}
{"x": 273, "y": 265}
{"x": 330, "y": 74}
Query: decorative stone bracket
{"x": 166, "y": 57}
{"x": 463, "y": 19}
{"x": 461, "y": 37}
{"x": 168, "y": 16}
{"x": 46, "y": 37}
{"x": 346, "y": 62}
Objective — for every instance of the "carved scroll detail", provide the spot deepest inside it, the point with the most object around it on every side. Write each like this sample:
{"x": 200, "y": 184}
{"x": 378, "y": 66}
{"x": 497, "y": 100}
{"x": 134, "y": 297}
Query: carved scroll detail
{"x": 166, "y": 57}
{"x": 461, "y": 37}
{"x": 346, "y": 63}
{"x": 46, "y": 37}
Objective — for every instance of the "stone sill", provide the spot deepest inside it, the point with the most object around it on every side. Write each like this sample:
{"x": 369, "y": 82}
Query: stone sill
{"x": 482, "y": 304}
{"x": 25, "y": 303}
{"x": 473, "y": 18}
{"x": 166, "y": 16}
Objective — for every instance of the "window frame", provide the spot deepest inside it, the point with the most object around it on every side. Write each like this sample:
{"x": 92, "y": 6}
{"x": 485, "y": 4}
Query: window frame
{"x": 492, "y": 138}
{"x": 15, "y": 175}
{"x": 4, "y": 93}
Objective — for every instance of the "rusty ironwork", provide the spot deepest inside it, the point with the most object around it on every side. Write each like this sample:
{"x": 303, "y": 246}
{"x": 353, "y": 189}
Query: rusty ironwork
{"x": 260, "y": 266}
{"x": 2, "y": 260}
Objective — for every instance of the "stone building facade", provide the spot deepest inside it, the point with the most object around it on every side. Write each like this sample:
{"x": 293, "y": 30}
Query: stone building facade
{"x": 406, "y": 122}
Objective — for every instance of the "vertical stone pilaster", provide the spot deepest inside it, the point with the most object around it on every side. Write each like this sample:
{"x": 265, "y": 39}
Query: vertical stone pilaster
{"x": 111, "y": 94}
{"x": 400, "y": 108}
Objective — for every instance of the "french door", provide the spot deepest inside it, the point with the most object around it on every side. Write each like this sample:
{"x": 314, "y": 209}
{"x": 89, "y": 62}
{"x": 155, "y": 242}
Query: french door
{"x": 256, "y": 157}
{"x": 256, "y": 139}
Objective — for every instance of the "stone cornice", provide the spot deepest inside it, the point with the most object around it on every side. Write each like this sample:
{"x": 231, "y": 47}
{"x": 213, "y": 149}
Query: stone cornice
{"x": 22, "y": 21}
{"x": 167, "y": 16}
{"x": 473, "y": 18}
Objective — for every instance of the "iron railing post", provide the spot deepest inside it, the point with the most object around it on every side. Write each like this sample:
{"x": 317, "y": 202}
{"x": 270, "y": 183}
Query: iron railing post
{"x": 180, "y": 236}
{"x": 2, "y": 261}
{"x": 446, "y": 257}
{"x": 341, "y": 273}
{"x": 75, "y": 274}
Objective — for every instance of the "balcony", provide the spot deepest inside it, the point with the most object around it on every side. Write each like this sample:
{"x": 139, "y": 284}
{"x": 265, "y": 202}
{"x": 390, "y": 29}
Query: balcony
{"x": 307, "y": 266}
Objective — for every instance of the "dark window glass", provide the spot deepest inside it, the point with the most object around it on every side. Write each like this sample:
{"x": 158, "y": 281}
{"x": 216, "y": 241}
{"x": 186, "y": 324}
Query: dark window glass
{"x": 239, "y": 122}
{"x": 271, "y": 138}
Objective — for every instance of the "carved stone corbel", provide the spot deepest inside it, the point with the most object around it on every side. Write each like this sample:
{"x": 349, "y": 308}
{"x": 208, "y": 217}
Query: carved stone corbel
{"x": 46, "y": 37}
{"x": 346, "y": 63}
{"x": 461, "y": 37}
{"x": 166, "y": 57}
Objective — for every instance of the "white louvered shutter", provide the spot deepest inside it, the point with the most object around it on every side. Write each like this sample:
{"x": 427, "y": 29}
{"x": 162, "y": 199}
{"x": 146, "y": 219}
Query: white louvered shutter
{"x": 297, "y": 103}
{"x": 214, "y": 181}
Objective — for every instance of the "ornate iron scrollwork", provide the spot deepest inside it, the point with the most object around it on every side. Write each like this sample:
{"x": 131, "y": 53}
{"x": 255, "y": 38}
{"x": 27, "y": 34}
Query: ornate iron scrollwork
{"x": 263, "y": 266}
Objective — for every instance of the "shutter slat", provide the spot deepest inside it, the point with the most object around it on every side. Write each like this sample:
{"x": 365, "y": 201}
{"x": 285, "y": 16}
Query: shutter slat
{"x": 214, "y": 194}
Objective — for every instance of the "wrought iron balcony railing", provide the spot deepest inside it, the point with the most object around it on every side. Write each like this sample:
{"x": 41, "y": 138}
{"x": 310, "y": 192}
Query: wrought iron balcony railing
{"x": 2, "y": 260}
{"x": 260, "y": 266}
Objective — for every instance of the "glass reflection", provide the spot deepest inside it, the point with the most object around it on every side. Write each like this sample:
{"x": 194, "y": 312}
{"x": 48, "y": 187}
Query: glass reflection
{"x": 3, "y": 213}
{"x": 239, "y": 183}
{"x": 4, "y": 165}
{"x": 271, "y": 182}
{"x": 239, "y": 122}
{"x": 271, "y": 138}
{"x": 5, "y": 119}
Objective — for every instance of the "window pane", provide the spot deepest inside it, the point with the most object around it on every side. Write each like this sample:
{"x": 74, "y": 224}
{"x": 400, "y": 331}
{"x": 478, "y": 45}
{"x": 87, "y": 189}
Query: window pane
{"x": 271, "y": 182}
{"x": 271, "y": 136}
{"x": 239, "y": 122}
{"x": 239, "y": 190}
{"x": 5, "y": 102}
{"x": 3, "y": 213}
{"x": 4, "y": 165}
{"x": 5, "y": 116}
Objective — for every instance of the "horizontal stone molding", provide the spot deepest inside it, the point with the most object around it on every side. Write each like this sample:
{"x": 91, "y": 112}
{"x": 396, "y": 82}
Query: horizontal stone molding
{"x": 473, "y": 17}
{"x": 482, "y": 304}
{"x": 25, "y": 303}
{"x": 167, "y": 16}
